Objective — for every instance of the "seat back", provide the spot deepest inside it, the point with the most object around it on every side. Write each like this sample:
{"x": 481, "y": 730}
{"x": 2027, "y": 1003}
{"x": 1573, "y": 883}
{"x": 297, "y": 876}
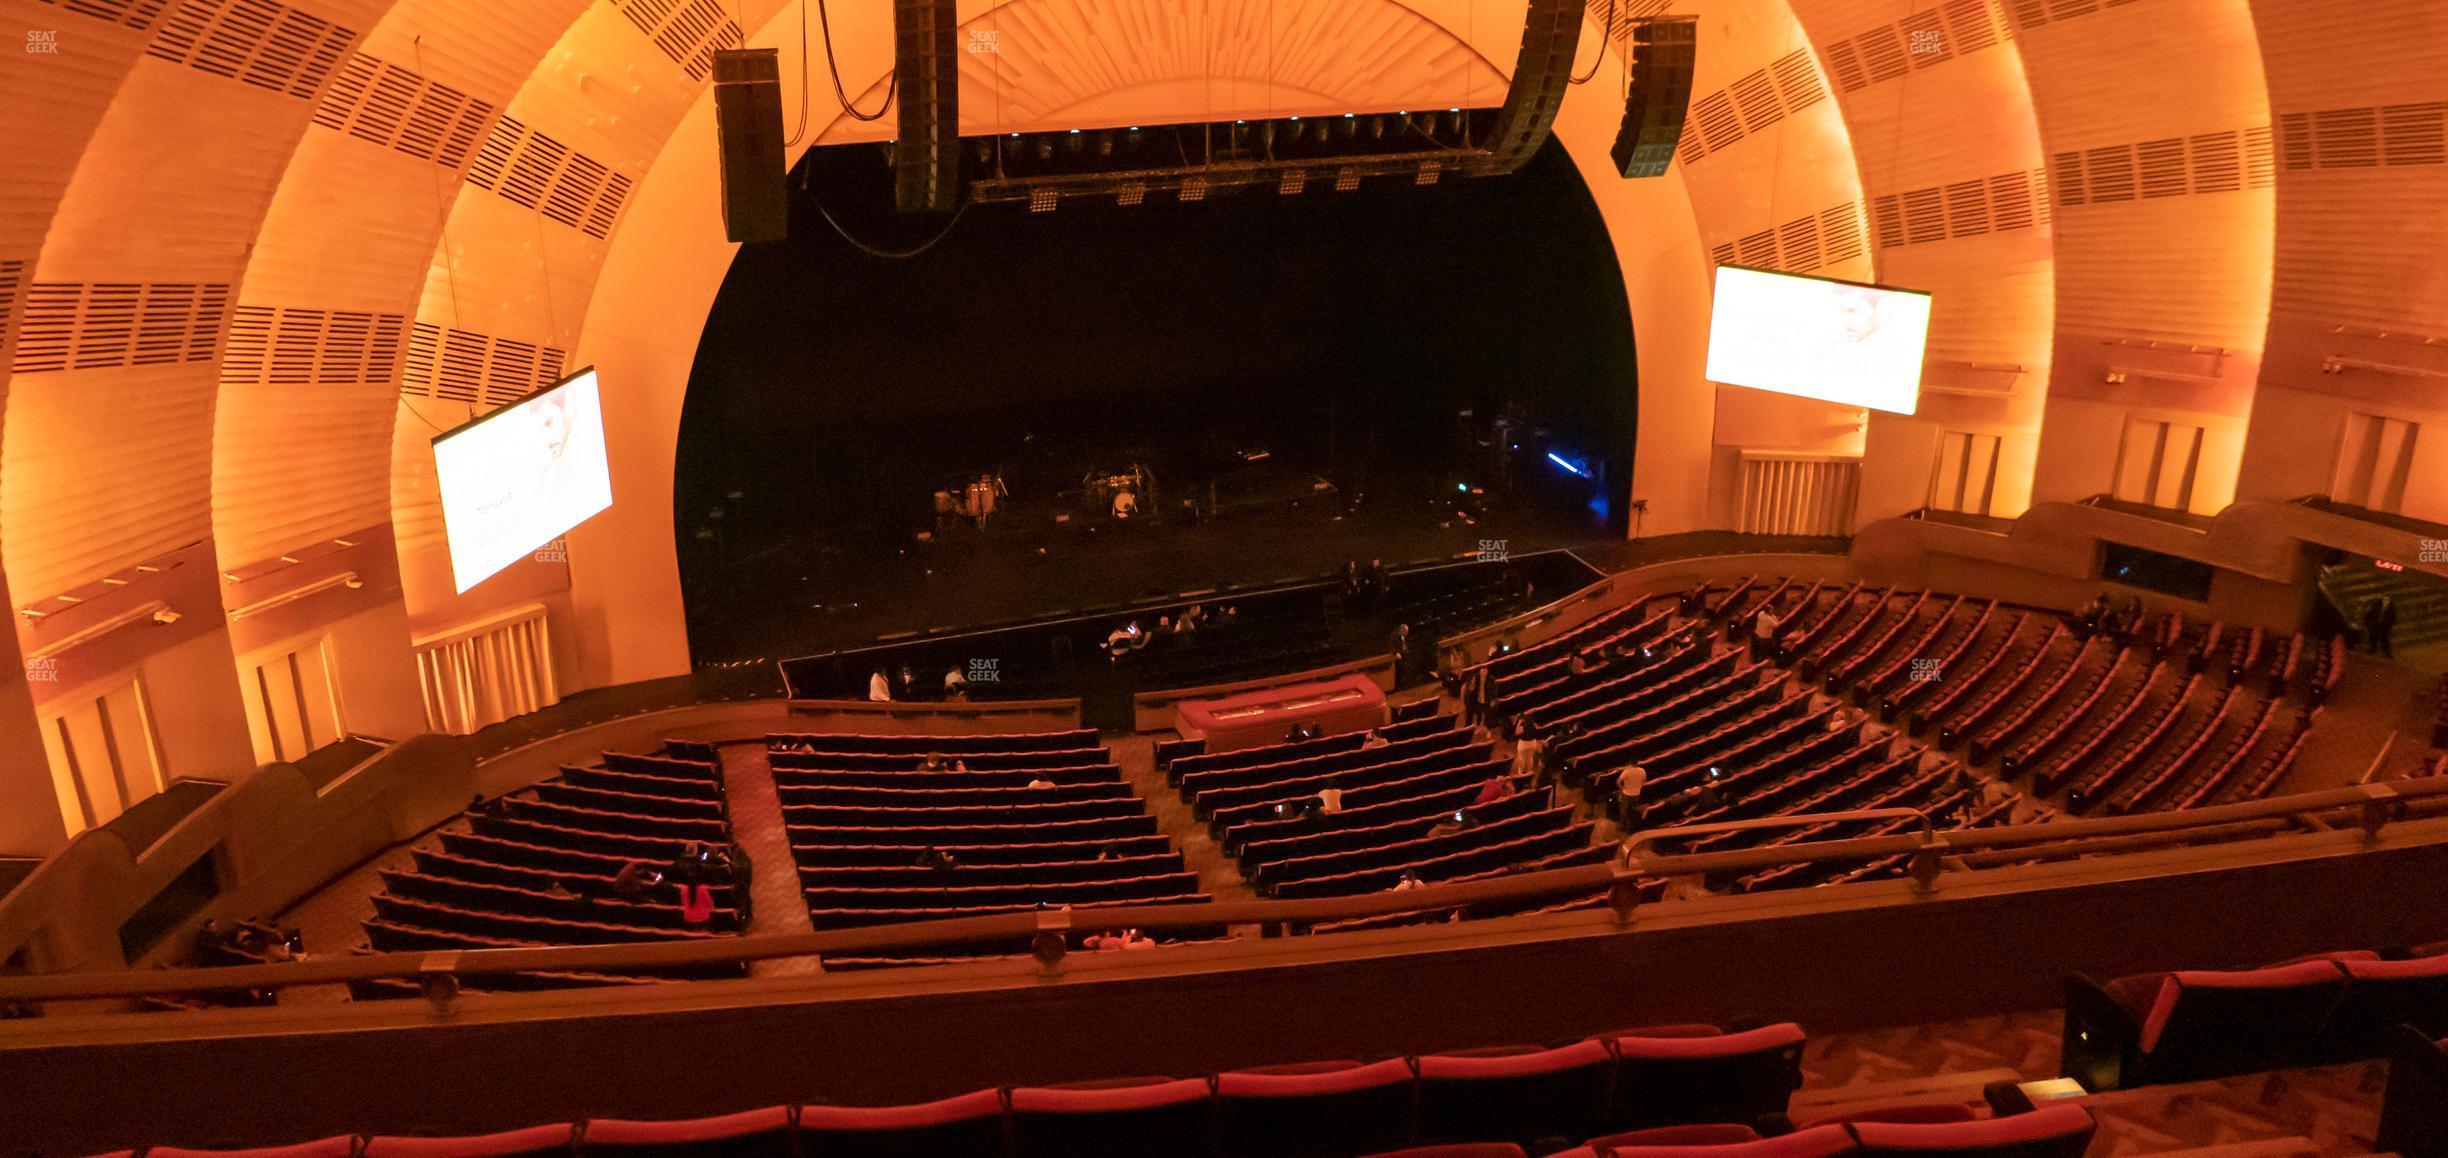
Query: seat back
{"x": 340, "y": 1147}
{"x": 2212, "y": 1024}
{"x": 1157, "y": 1119}
{"x": 764, "y": 1133}
{"x": 535, "y": 1141}
{"x": 1514, "y": 1097}
{"x": 1729, "y": 1077}
{"x": 1352, "y": 1109}
{"x": 2062, "y": 1130}
{"x": 2384, "y": 994}
{"x": 968, "y": 1124}
{"x": 1815, "y": 1142}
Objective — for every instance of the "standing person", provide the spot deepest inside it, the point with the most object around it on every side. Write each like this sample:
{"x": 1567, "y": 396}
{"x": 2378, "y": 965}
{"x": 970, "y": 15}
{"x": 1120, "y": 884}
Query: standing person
{"x": 905, "y": 684}
{"x": 1629, "y": 784}
{"x": 743, "y": 880}
{"x": 1352, "y": 586}
{"x": 1530, "y": 756}
{"x": 955, "y": 685}
{"x": 879, "y": 689}
{"x": 1398, "y": 641}
{"x": 2380, "y": 624}
{"x": 1764, "y": 628}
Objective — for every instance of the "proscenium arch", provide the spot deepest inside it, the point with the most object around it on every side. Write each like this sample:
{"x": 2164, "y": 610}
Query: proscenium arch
{"x": 659, "y": 281}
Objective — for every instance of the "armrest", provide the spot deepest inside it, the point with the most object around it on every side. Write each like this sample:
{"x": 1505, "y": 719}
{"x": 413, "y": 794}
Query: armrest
{"x": 2414, "y": 1110}
{"x": 2101, "y": 1040}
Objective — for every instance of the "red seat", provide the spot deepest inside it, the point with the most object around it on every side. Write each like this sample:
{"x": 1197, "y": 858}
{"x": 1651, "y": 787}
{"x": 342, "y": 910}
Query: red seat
{"x": 764, "y": 1133}
{"x": 2062, "y": 1130}
{"x": 1150, "y": 1120}
{"x": 2382, "y": 994}
{"x": 968, "y": 1124}
{"x": 2188, "y": 1026}
{"x": 1517, "y": 1097}
{"x": 1816, "y": 1142}
{"x": 1697, "y": 1134}
{"x": 537, "y": 1140}
{"x": 1719, "y": 1077}
{"x": 340, "y": 1147}
{"x": 1457, "y": 1150}
{"x": 1350, "y": 1109}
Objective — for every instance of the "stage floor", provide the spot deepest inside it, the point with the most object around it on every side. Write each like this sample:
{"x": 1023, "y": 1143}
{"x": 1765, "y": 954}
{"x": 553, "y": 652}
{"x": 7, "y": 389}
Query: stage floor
{"x": 802, "y": 596}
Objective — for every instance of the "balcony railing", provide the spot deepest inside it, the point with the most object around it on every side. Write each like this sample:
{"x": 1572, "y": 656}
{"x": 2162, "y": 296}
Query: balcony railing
{"x": 1932, "y": 857}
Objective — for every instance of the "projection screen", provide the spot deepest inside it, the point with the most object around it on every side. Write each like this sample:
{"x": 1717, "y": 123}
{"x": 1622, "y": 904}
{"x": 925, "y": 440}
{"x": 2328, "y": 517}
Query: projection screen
{"x": 522, "y": 476}
{"x": 1837, "y": 341}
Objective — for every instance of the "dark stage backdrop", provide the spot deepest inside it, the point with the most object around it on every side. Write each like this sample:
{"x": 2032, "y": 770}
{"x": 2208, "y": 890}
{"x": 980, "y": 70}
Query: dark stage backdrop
{"x": 834, "y": 390}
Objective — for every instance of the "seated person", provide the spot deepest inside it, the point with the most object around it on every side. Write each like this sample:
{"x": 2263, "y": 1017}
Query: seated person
{"x": 1117, "y": 940}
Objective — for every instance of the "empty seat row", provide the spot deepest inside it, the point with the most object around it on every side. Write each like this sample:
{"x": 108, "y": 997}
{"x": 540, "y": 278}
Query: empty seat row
{"x": 1331, "y": 1109}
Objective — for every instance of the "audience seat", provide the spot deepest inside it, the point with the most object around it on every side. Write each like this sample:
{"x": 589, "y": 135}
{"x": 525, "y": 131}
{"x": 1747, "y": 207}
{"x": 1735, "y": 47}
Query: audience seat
{"x": 1676, "y": 1078}
{"x": 537, "y": 1141}
{"x": 764, "y": 1133}
{"x": 968, "y": 1124}
{"x": 1314, "y": 1111}
{"x": 1153, "y": 1119}
{"x": 2381, "y": 995}
{"x": 340, "y": 1147}
{"x": 1514, "y": 1097}
{"x": 1816, "y": 1142}
{"x": 2062, "y": 1130}
{"x": 2414, "y": 1110}
{"x": 2192, "y": 1025}
{"x": 1457, "y": 1150}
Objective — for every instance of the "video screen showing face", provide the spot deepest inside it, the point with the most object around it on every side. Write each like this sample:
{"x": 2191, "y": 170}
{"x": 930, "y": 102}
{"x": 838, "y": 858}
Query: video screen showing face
{"x": 522, "y": 476}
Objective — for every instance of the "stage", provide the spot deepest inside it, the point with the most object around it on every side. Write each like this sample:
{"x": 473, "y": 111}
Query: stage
{"x": 811, "y": 594}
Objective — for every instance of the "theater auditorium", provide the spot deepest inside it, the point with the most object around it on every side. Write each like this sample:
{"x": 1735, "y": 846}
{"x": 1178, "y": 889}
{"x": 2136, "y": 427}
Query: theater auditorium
{"x": 1224, "y": 578}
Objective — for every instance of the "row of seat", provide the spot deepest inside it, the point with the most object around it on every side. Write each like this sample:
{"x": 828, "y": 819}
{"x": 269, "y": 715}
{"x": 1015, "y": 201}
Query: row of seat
{"x": 877, "y": 847}
{"x": 539, "y": 867}
{"x": 1332, "y": 1109}
{"x": 2186, "y": 1025}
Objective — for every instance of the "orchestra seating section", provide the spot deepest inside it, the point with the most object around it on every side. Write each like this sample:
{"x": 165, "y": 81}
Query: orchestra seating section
{"x": 1010, "y": 823}
{"x": 1398, "y": 786}
{"x": 1908, "y": 707}
{"x": 537, "y": 867}
{"x": 2145, "y": 713}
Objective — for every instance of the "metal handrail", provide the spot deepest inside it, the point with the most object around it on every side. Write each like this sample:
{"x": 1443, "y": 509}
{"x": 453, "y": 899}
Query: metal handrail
{"x": 2374, "y": 806}
{"x": 1635, "y": 843}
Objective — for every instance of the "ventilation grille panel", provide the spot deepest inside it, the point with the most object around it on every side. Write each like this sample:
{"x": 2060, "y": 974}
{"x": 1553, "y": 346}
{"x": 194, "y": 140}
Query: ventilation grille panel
{"x": 382, "y": 103}
{"x": 1829, "y": 237}
{"x": 301, "y": 347}
{"x": 98, "y": 325}
{"x": 687, "y": 31}
{"x": 534, "y": 171}
{"x": 136, "y": 14}
{"x": 257, "y": 42}
{"x": 1723, "y": 118}
{"x": 479, "y": 370}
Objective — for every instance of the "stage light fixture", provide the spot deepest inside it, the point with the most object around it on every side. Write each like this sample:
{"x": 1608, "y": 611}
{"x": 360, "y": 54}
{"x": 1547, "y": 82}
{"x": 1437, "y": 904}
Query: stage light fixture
{"x": 1194, "y": 189}
{"x": 1132, "y": 194}
{"x": 1347, "y": 180}
{"x": 1294, "y": 180}
{"x": 1042, "y": 200}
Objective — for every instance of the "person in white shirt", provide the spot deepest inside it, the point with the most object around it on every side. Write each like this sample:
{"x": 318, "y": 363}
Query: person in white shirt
{"x": 1629, "y": 784}
{"x": 879, "y": 689}
{"x": 1330, "y": 801}
{"x": 1764, "y": 633}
